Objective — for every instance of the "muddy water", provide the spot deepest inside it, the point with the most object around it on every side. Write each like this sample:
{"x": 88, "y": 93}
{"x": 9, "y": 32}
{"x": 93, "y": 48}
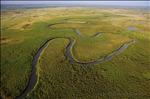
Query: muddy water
{"x": 132, "y": 28}
{"x": 97, "y": 34}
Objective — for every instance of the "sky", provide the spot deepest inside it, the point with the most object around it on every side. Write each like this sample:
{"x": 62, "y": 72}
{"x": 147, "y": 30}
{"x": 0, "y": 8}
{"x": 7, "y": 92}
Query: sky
{"x": 119, "y": 3}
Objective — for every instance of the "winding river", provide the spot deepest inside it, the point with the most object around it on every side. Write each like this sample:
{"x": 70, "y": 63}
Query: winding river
{"x": 33, "y": 76}
{"x": 108, "y": 57}
{"x": 69, "y": 55}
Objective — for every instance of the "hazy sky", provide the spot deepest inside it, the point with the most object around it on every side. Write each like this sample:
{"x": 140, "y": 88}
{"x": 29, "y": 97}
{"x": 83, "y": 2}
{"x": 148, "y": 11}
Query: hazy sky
{"x": 120, "y": 3}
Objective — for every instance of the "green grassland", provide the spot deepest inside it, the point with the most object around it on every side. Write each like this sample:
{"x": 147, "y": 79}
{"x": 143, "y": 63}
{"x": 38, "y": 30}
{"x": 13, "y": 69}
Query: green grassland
{"x": 126, "y": 76}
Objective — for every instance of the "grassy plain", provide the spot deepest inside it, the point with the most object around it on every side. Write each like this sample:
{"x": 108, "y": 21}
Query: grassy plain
{"x": 127, "y": 75}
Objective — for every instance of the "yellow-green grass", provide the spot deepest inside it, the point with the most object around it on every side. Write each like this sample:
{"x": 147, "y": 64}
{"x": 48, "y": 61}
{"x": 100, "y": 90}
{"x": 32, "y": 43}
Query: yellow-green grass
{"x": 118, "y": 78}
{"x": 130, "y": 70}
{"x": 24, "y": 31}
{"x": 50, "y": 65}
{"x": 59, "y": 79}
{"x": 92, "y": 48}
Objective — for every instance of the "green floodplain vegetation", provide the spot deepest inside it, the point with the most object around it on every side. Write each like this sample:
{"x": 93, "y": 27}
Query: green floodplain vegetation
{"x": 125, "y": 76}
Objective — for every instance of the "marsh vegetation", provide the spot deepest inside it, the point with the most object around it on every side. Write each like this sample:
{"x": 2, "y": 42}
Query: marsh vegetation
{"x": 37, "y": 41}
